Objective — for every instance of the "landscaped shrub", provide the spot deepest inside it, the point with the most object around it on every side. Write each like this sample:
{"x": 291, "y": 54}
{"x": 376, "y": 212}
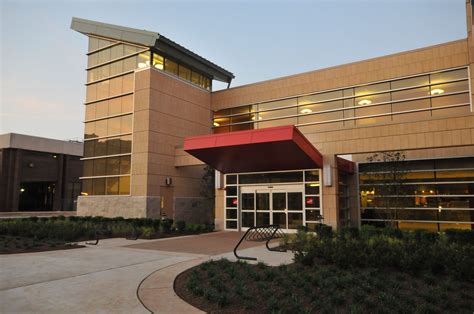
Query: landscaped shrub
{"x": 412, "y": 252}
{"x": 464, "y": 237}
{"x": 180, "y": 226}
{"x": 166, "y": 225}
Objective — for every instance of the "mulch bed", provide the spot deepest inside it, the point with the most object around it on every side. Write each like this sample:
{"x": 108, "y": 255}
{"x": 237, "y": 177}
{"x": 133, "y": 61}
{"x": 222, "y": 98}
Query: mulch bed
{"x": 227, "y": 287}
{"x": 15, "y": 245}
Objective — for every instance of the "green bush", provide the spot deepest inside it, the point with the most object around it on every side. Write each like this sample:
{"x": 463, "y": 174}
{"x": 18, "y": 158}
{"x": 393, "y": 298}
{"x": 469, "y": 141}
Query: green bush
{"x": 180, "y": 226}
{"x": 166, "y": 225}
{"x": 463, "y": 237}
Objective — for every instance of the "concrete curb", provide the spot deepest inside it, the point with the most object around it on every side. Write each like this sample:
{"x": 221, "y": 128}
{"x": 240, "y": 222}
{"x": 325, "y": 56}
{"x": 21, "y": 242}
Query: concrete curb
{"x": 156, "y": 291}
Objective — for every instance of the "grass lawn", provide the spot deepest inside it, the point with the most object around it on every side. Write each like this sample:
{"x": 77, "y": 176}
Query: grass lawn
{"x": 17, "y": 244}
{"x": 223, "y": 286}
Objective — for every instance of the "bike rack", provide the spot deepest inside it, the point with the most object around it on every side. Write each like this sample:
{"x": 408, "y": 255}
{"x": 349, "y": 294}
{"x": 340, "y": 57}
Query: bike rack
{"x": 260, "y": 234}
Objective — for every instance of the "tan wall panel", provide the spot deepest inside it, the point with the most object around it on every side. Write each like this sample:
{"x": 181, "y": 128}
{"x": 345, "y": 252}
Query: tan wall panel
{"x": 452, "y": 54}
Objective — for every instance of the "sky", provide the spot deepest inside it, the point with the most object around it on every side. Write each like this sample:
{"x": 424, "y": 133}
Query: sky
{"x": 43, "y": 60}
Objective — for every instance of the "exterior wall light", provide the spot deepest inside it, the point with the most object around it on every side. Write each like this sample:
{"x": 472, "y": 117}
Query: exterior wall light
{"x": 168, "y": 181}
{"x": 364, "y": 102}
{"x": 437, "y": 91}
{"x": 22, "y": 190}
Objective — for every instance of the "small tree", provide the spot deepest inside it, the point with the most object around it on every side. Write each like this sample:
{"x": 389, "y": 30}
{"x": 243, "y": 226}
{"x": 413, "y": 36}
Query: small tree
{"x": 386, "y": 177}
{"x": 208, "y": 185}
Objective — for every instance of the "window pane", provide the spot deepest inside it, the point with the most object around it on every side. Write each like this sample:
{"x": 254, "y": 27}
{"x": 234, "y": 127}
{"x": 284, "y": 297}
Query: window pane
{"x": 87, "y": 187}
{"x": 144, "y": 60}
{"x": 158, "y": 61}
{"x": 91, "y": 92}
{"x": 89, "y": 131}
{"x": 93, "y": 43}
{"x": 319, "y": 97}
{"x": 101, "y": 109}
{"x": 171, "y": 66}
{"x": 100, "y": 147}
{"x": 374, "y": 99}
{"x": 101, "y": 128}
{"x": 414, "y": 81}
{"x": 369, "y": 89}
{"x": 115, "y": 86}
{"x": 126, "y": 124}
{"x": 127, "y": 83}
{"x": 450, "y": 100}
{"x": 102, "y": 89}
{"x": 126, "y": 144}
{"x": 88, "y": 168}
{"x": 248, "y": 201}
{"x": 127, "y": 103}
{"x": 295, "y": 220}
{"x": 277, "y": 104}
{"x": 262, "y": 201}
{"x": 89, "y": 148}
{"x": 124, "y": 185}
{"x": 449, "y": 88}
{"x": 113, "y": 126}
{"x": 279, "y": 201}
{"x": 411, "y": 93}
{"x": 112, "y": 186}
{"x": 125, "y": 165}
{"x": 115, "y": 106}
{"x": 113, "y": 146}
{"x": 99, "y": 167}
{"x": 295, "y": 201}
{"x": 99, "y": 186}
{"x": 448, "y": 76}
{"x": 184, "y": 72}
{"x": 116, "y": 52}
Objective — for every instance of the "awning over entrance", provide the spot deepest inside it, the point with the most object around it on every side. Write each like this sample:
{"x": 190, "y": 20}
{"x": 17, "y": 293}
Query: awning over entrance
{"x": 269, "y": 149}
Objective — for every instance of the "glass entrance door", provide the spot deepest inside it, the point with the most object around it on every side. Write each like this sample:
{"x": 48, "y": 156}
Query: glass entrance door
{"x": 281, "y": 205}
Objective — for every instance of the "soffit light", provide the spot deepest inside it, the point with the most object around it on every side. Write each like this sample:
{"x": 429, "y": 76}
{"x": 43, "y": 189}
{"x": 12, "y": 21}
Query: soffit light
{"x": 437, "y": 91}
{"x": 255, "y": 118}
{"x": 306, "y": 111}
{"x": 364, "y": 102}
{"x": 216, "y": 124}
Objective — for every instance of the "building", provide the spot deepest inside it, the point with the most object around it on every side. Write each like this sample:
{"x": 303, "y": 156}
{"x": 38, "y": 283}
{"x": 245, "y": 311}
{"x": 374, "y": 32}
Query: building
{"x": 287, "y": 150}
{"x": 39, "y": 174}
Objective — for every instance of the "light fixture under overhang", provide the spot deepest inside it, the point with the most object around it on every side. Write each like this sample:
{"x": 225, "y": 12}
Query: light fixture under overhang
{"x": 306, "y": 111}
{"x": 437, "y": 91}
{"x": 364, "y": 102}
{"x": 216, "y": 124}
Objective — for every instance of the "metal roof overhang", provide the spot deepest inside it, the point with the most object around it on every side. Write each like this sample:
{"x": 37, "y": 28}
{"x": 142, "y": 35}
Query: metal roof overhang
{"x": 269, "y": 149}
{"x": 152, "y": 40}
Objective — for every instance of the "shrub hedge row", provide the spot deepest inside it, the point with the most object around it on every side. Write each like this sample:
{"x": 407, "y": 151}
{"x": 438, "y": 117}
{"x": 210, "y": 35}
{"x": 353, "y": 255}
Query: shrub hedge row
{"x": 76, "y": 228}
{"x": 451, "y": 252}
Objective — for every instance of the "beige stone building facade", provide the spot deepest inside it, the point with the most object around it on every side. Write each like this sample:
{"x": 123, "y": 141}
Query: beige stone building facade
{"x": 418, "y": 103}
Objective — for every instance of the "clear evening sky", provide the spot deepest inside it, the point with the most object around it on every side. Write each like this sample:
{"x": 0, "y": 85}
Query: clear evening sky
{"x": 43, "y": 60}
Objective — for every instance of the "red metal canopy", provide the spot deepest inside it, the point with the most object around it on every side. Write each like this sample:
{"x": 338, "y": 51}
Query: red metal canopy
{"x": 269, "y": 149}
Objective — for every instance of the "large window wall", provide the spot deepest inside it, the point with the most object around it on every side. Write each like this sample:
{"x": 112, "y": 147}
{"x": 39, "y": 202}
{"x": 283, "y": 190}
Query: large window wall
{"x": 412, "y": 98}
{"x": 109, "y": 116}
{"x": 433, "y": 194}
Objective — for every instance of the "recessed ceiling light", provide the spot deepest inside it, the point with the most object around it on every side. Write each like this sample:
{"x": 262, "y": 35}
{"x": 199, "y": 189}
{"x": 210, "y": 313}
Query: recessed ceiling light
{"x": 306, "y": 111}
{"x": 216, "y": 124}
{"x": 437, "y": 91}
{"x": 254, "y": 118}
{"x": 364, "y": 102}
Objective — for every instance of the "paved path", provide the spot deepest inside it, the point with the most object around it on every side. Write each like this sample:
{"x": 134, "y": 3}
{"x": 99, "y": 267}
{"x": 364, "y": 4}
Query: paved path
{"x": 105, "y": 278}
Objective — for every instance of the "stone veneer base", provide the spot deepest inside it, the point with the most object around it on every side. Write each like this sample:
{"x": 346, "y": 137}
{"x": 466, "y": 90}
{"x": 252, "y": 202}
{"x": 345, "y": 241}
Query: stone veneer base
{"x": 119, "y": 206}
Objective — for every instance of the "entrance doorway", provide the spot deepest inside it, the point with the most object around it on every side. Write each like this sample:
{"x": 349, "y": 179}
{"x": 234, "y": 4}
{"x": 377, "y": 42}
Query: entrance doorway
{"x": 280, "y": 205}
{"x": 36, "y": 196}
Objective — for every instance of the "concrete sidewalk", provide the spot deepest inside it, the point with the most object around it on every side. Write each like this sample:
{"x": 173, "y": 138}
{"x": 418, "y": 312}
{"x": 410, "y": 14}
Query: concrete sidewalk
{"x": 115, "y": 276}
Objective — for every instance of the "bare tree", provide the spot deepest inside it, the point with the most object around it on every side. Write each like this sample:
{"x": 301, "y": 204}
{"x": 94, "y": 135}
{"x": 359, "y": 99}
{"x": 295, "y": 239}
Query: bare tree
{"x": 386, "y": 178}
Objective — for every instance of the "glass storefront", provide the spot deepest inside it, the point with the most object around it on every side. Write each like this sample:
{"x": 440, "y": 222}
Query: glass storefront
{"x": 289, "y": 199}
{"x": 432, "y": 194}
{"x": 423, "y": 96}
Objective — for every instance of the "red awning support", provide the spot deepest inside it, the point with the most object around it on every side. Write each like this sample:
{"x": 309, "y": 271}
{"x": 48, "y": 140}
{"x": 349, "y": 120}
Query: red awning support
{"x": 269, "y": 149}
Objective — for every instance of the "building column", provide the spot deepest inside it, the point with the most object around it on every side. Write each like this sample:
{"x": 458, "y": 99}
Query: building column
{"x": 329, "y": 192}
{"x": 58, "y": 189}
{"x": 14, "y": 180}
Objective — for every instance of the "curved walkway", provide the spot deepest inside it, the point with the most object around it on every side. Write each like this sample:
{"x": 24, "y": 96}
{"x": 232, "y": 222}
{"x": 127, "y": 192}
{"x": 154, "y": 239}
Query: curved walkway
{"x": 114, "y": 277}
